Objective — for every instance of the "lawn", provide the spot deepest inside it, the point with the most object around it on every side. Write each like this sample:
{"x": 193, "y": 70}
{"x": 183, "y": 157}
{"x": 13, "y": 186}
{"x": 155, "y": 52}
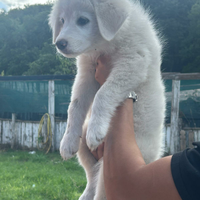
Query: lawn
{"x": 25, "y": 176}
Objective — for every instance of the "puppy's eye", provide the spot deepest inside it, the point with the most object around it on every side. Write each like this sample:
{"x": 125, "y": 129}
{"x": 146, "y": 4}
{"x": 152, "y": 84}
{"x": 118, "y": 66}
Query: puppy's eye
{"x": 62, "y": 20}
{"x": 82, "y": 21}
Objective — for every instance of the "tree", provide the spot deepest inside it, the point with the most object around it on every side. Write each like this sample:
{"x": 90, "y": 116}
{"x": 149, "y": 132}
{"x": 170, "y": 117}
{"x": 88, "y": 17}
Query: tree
{"x": 25, "y": 43}
{"x": 26, "y": 49}
{"x": 172, "y": 19}
{"x": 191, "y": 46}
{"x": 50, "y": 63}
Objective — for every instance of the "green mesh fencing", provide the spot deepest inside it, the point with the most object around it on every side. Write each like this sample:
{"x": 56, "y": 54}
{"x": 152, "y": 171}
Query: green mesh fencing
{"x": 29, "y": 100}
{"x": 62, "y": 98}
{"x": 189, "y": 106}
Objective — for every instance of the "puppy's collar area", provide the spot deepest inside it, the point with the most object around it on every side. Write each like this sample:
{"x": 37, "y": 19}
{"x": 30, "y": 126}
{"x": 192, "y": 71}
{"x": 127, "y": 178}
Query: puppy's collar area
{"x": 134, "y": 96}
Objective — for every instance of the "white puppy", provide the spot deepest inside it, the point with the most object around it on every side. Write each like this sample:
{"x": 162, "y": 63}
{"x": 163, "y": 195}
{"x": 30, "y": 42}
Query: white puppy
{"x": 122, "y": 30}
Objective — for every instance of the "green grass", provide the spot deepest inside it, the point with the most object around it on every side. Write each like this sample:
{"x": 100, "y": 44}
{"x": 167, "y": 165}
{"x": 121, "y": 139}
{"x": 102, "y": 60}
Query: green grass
{"x": 39, "y": 177}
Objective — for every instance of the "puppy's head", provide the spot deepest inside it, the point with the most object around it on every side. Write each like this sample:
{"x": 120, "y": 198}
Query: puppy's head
{"x": 81, "y": 25}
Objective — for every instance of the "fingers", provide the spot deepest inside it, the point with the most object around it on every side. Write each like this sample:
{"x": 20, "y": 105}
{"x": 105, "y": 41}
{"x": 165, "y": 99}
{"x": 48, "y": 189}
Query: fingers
{"x": 102, "y": 70}
{"x": 98, "y": 153}
{"x": 94, "y": 153}
{"x": 99, "y": 67}
{"x": 99, "y": 73}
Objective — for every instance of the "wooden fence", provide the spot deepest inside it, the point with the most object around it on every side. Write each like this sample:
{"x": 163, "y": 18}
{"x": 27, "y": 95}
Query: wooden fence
{"x": 186, "y": 137}
{"x": 25, "y": 134}
{"x": 175, "y": 129}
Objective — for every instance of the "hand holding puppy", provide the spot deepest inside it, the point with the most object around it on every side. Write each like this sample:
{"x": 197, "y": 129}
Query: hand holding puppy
{"x": 102, "y": 69}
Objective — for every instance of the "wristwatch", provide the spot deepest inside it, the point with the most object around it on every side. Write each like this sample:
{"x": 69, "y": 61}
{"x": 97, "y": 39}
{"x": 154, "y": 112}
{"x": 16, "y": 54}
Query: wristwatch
{"x": 133, "y": 95}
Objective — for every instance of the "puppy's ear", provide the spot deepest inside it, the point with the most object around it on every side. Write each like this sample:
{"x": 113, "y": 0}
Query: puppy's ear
{"x": 111, "y": 14}
{"x": 54, "y": 23}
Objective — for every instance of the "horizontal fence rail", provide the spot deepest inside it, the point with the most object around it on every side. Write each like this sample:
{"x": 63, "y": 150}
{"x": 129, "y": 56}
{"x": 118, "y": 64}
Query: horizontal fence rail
{"x": 166, "y": 76}
{"x": 181, "y": 76}
{"x": 37, "y": 78}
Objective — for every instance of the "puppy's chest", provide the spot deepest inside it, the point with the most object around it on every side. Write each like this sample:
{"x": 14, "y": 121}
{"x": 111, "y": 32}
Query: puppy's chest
{"x": 108, "y": 51}
{"x": 90, "y": 59}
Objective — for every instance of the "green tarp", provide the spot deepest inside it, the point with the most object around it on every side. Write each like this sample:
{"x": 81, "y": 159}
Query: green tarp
{"x": 29, "y": 100}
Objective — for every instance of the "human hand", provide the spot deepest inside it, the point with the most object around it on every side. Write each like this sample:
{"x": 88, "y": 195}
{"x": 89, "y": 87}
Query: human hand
{"x": 98, "y": 153}
{"x": 102, "y": 69}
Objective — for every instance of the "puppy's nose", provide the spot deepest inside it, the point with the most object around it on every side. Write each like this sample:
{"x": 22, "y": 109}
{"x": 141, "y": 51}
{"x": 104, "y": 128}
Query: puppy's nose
{"x": 62, "y": 44}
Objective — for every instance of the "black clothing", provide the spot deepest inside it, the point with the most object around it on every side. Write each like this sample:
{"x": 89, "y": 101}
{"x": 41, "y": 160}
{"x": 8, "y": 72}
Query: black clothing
{"x": 185, "y": 167}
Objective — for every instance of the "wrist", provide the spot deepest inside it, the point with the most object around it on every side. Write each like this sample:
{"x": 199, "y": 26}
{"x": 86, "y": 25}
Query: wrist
{"x": 125, "y": 111}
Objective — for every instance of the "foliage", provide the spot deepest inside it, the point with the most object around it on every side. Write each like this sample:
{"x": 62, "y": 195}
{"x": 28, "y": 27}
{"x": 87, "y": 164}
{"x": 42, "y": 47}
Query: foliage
{"x": 26, "y": 49}
{"x": 191, "y": 46}
{"x": 25, "y": 43}
{"x": 174, "y": 21}
{"x": 39, "y": 177}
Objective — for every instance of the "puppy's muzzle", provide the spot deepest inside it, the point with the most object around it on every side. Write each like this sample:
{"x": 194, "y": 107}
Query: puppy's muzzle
{"x": 62, "y": 44}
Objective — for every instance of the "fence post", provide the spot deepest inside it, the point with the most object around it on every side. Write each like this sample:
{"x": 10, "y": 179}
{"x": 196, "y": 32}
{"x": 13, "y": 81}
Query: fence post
{"x": 175, "y": 116}
{"x": 51, "y": 110}
{"x": 13, "y": 130}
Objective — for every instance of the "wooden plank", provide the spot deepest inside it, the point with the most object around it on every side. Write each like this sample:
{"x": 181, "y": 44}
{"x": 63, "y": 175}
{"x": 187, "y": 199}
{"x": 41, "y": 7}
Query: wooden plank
{"x": 35, "y": 134}
{"x": 18, "y": 131}
{"x": 60, "y": 130}
{"x": 6, "y": 139}
{"x": 196, "y": 135}
{"x": 191, "y": 138}
{"x": 187, "y": 138}
{"x": 44, "y": 129}
{"x": 44, "y": 132}
{"x": 13, "y": 133}
{"x": 167, "y": 138}
{"x": 51, "y": 110}
{"x": 182, "y": 140}
{"x": 175, "y": 115}
{"x": 29, "y": 131}
{"x": 171, "y": 143}
{"x": 24, "y": 136}
{"x": 181, "y": 76}
{"x": 57, "y": 132}
{"x": 193, "y": 128}
{"x": 37, "y": 78}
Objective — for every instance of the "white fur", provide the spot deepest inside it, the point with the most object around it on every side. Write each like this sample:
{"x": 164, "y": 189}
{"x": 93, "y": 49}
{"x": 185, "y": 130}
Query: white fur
{"x": 124, "y": 31}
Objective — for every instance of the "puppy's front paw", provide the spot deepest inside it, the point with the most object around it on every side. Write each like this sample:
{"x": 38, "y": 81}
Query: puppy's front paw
{"x": 69, "y": 146}
{"x": 95, "y": 134}
{"x": 87, "y": 195}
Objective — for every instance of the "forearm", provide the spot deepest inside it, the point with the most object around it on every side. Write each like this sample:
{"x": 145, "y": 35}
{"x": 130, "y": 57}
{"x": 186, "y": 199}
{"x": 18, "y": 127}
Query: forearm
{"x": 126, "y": 175}
{"x": 120, "y": 143}
{"x": 119, "y": 151}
